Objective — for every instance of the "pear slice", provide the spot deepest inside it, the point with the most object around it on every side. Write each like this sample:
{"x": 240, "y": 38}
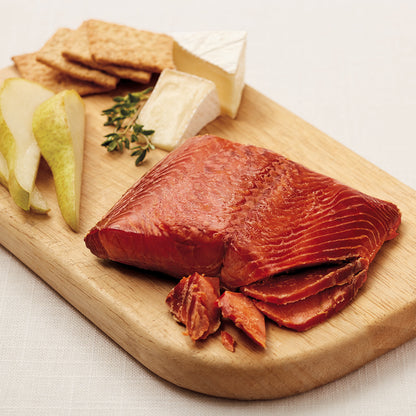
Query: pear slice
{"x": 18, "y": 101}
{"x": 4, "y": 172}
{"x": 38, "y": 203}
{"x": 59, "y": 128}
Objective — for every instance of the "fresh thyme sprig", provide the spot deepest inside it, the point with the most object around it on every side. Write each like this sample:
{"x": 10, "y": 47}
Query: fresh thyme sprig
{"x": 123, "y": 117}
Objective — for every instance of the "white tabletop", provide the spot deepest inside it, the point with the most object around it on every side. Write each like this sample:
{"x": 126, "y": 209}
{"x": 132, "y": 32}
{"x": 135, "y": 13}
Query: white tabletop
{"x": 348, "y": 68}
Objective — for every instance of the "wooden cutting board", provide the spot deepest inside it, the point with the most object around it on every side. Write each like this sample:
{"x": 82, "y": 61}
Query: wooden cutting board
{"x": 129, "y": 304}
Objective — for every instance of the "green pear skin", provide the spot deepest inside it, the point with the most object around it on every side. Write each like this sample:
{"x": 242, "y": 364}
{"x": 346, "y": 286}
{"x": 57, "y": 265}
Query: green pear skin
{"x": 58, "y": 126}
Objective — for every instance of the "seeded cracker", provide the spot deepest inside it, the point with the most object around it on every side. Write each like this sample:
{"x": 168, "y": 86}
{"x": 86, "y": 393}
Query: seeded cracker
{"x": 77, "y": 49}
{"x": 116, "y": 44}
{"x": 51, "y": 55}
{"x": 32, "y": 70}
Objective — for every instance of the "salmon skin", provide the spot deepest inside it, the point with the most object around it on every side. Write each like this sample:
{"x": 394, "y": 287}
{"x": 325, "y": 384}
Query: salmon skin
{"x": 246, "y": 214}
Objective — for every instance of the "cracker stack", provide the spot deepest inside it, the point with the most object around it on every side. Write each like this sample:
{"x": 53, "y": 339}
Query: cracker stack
{"x": 94, "y": 57}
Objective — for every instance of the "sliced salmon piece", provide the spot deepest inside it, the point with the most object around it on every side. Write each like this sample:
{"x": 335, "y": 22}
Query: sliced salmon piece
{"x": 298, "y": 285}
{"x": 193, "y": 302}
{"x": 228, "y": 341}
{"x": 242, "y": 311}
{"x": 304, "y": 314}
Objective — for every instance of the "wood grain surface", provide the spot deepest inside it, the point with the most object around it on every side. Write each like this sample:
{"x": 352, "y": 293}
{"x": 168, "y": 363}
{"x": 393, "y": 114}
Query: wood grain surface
{"x": 129, "y": 304}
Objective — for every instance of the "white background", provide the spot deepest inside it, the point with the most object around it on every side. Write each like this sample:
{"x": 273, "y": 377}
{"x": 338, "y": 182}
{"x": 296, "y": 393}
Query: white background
{"x": 348, "y": 68}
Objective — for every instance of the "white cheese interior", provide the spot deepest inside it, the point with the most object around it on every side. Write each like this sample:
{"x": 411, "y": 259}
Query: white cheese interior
{"x": 218, "y": 56}
{"x": 180, "y": 106}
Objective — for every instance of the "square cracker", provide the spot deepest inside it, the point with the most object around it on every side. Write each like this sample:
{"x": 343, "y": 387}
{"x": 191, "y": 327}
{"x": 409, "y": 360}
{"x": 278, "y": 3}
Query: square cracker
{"x": 51, "y": 54}
{"x": 31, "y": 69}
{"x": 111, "y": 43}
{"x": 77, "y": 49}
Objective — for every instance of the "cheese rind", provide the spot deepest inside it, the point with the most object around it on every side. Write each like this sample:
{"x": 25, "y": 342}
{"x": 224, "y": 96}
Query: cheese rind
{"x": 218, "y": 56}
{"x": 180, "y": 106}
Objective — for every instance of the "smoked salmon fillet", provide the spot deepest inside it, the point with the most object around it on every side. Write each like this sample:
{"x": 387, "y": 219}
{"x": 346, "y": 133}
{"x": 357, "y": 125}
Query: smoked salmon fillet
{"x": 252, "y": 218}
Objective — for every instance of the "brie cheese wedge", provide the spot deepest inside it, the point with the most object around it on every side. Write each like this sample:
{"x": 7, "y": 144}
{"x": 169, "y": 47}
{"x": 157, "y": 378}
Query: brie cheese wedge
{"x": 179, "y": 107}
{"x": 218, "y": 56}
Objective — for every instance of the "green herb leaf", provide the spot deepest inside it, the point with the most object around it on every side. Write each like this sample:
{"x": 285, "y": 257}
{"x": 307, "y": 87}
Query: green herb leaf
{"x": 140, "y": 158}
{"x": 122, "y": 116}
